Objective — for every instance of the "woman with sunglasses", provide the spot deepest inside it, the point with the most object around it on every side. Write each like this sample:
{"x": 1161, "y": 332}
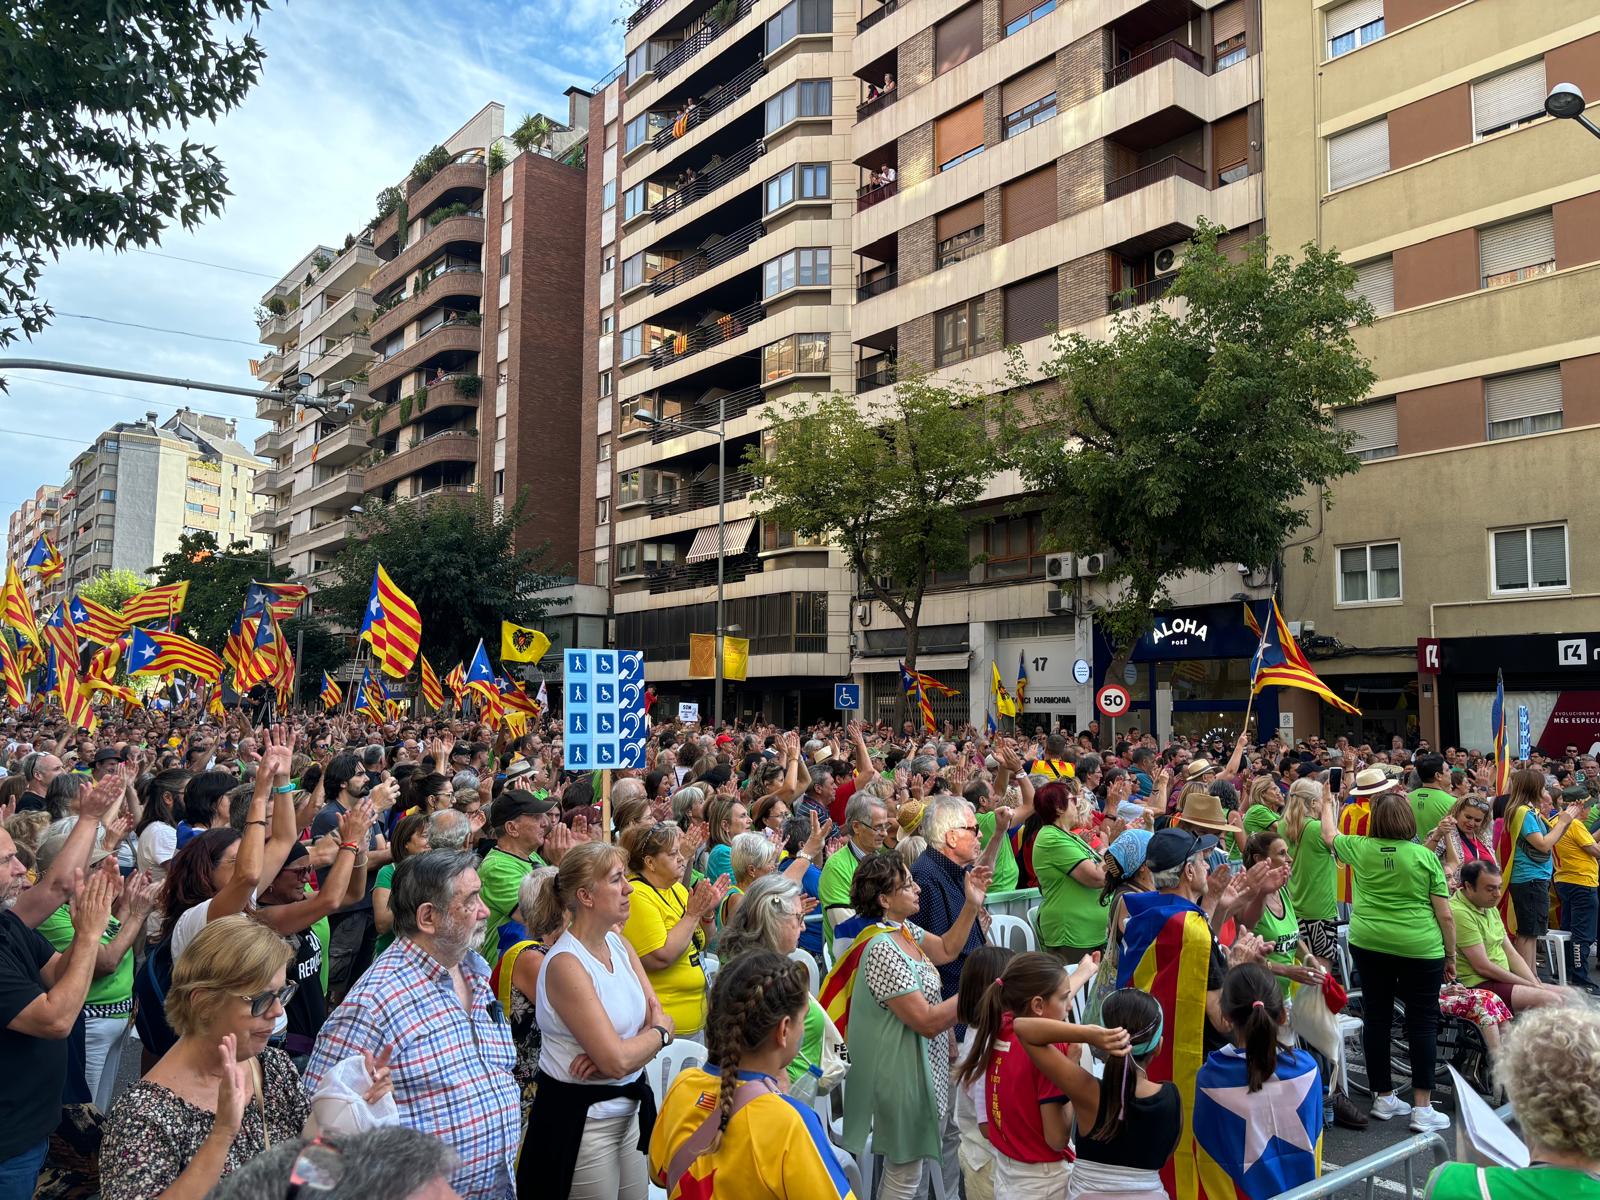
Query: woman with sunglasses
{"x": 221, "y": 1095}
{"x": 1458, "y": 838}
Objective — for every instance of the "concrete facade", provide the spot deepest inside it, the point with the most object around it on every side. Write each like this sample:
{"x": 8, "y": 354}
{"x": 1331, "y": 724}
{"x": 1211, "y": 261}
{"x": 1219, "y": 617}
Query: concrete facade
{"x": 33, "y": 518}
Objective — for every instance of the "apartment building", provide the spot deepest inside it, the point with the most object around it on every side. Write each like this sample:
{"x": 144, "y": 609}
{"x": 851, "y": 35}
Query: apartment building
{"x": 140, "y": 486}
{"x": 816, "y": 197}
{"x": 1410, "y": 134}
{"x": 33, "y": 518}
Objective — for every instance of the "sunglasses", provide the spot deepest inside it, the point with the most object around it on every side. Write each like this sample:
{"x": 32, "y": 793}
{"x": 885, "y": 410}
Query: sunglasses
{"x": 317, "y": 1168}
{"x": 261, "y": 1004}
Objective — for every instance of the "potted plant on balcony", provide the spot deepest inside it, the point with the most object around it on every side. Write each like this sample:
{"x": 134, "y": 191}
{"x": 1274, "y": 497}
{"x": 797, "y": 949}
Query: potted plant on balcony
{"x": 497, "y": 159}
{"x": 276, "y": 306}
{"x": 723, "y": 12}
{"x": 321, "y": 263}
{"x": 405, "y": 408}
{"x": 429, "y": 164}
{"x": 421, "y": 398}
{"x": 469, "y": 386}
{"x": 388, "y": 200}
{"x": 533, "y": 132}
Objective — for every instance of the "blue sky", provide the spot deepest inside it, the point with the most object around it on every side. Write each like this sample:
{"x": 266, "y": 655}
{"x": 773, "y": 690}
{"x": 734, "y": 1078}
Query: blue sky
{"x": 350, "y": 94}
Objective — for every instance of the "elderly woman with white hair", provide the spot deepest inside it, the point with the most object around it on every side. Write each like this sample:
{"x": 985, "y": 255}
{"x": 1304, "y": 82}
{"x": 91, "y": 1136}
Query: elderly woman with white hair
{"x": 755, "y": 855}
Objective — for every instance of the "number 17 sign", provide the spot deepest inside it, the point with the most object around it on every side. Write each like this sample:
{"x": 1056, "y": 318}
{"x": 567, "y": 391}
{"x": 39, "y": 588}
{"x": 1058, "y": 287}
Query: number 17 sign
{"x": 605, "y": 726}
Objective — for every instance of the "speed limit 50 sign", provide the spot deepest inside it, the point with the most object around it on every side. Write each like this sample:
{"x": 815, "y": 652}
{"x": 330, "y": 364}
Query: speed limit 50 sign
{"x": 1112, "y": 700}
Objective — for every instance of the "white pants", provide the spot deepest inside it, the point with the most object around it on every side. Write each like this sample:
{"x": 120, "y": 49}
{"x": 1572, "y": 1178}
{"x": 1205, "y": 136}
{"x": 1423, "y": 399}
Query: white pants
{"x": 903, "y": 1181}
{"x": 610, "y": 1165}
{"x": 1029, "y": 1181}
{"x": 104, "y": 1038}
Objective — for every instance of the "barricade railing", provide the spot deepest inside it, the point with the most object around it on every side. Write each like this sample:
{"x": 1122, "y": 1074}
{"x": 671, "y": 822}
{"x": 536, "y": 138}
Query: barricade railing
{"x": 1367, "y": 1169}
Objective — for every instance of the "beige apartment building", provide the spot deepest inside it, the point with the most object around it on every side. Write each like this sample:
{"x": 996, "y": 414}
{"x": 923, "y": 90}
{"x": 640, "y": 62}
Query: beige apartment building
{"x": 1410, "y": 134}
{"x": 812, "y": 197}
{"x": 33, "y": 518}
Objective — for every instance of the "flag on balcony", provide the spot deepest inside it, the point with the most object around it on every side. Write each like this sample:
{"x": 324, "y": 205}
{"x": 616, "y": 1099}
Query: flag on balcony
{"x": 432, "y": 689}
{"x": 156, "y": 652}
{"x": 518, "y": 643}
{"x": 280, "y": 599}
{"x": 392, "y": 625}
{"x": 96, "y": 622}
{"x": 331, "y": 694}
{"x": 156, "y": 604}
{"x": 45, "y": 558}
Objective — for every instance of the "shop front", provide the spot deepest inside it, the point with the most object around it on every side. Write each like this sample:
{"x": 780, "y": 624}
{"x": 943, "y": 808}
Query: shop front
{"x": 1555, "y": 676}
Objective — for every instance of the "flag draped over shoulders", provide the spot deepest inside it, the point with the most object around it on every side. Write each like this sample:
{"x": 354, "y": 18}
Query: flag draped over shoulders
{"x": 1256, "y": 1145}
{"x": 839, "y": 985}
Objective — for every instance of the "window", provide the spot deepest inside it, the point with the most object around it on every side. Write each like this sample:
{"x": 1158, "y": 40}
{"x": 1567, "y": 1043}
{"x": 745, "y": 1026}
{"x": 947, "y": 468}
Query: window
{"x": 1353, "y": 25}
{"x": 1227, "y": 34}
{"x": 806, "y": 181}
{"x": 1508, "y": 99}
{"x": 636, "y": 133}
{"x": 798, "y": 354}
{"x": 1012, "y": 547}
{"x": 607, "y": 321}
{"x": 499, "y": 429}
{"x": 959, "y": 231}
{"x": 807, "y": 98}
{"x": 108, "y": 446}
{"x": 1524, "y": 403}
{"x": 602, "y": 511}
{"x": 797, "y": 18}
{"x": 608, "y": 195}
{"x": 611, "y": 135}
{"x": 633, "y": 202}
{"x": 608, "y": 264}
{"x": 1024, "y": 119}
{"x": 1369, "y": 574}
{"x": 602, "y": 572}
{"x": 1529, "y": 559}
{"x": 500, "y": 482}
{"x": 632, "y": 342}
{"x": 643, "y": 60}
{"x": 957, "y": 38}
{"x": 798, "y": 268}
{"x": 957, "y": 332}
{"x": 1028, "y": 204}
{"x": 1358, "y": 154}
{"x": 1517, "y": 250}
{"x": 1230, "y": 148}
{"x": 1029, "y": 99}
{"x": 1375, "y": 282}
{"x": 191, "y": 506}
{"x": 958, "y": 135}
{"x": 1032, "y": 309}
{"x": 107, "y": 495}
{"x": 605, "y": 383}
{"x": 505, "y": 264}
{"x": 1375, "y": 426}
{"x": 1019, "y": 14}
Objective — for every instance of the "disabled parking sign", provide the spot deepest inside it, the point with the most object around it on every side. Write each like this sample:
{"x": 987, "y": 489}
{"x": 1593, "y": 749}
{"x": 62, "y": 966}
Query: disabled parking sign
{"x": 605, "y": 726}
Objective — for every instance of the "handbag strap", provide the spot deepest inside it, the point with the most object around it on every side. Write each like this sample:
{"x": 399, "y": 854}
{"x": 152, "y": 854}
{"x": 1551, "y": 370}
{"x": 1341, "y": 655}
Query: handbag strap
{"x": 700, "y": 1140}
{"x": 261, "y": 1101}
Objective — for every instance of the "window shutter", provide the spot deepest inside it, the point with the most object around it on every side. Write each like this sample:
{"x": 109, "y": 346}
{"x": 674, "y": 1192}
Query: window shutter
{"x": 1526, "y": 242}
{"x": 1011, "y": 10}
{"x": 1032, "y": 308}
{"x": 1035, "y": 83}
{"x": 1511, "y": 559}
{"x": 1348, "y": 18}
{"x": 1227, "y": 21}
{"x": 1376, "y": 426}
{"x": 959, "y": 219}
{"x": 957, "y": 38}
{"x": 1358, "y": 154}
{"x": 1230, "y": 142}
{"x": 1508, "y": 97}
{"x": 1525, "y": 394}
{"x": 1375, "y": 281}
{"x": 957, "y": 133}
{"x": 1549, "y": 555}
{"x": 1028, "y": 204}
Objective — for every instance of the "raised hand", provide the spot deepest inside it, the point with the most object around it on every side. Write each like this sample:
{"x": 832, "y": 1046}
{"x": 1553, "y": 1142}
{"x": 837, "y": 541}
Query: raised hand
{"x": 234, "y": 1089}
{"x": 819, "y": 836}
{"x": 977, "y": 884}
{"x": 138, "y": 896}
{"x": 91, "y": 904}
{"x": 97, "y": 801}
{"x": 277, "y": 752}
{"x": 1218, "y": 883}
{"x": 559, "y": 840}
{"x": 690, "y": 842}
{"x": 355, "y": 824}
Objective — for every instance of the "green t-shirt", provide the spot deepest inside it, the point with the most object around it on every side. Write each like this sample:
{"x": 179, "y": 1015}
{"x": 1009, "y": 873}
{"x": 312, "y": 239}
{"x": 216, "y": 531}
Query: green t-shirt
{"x": 1463, "y": 1181}
{"x": 810, "y": 1041}
{"x": 1282, "y": 935}
{"x": 323, "y": 929}
{"x": 115, "y": 988}
{"x": 1312, "y": 875}
{"x": 1477, "y": 927}
{"x": 1394, "y": 881}
{"x": 1430, "y": 806}
{"x": 1070, "y": 913}
{"x": 1259, "y": 817}
{"x": 501, "y": 874}
{"x": 385, "y": 879}
{"x": 1005, "y": 866}
{"x": 833, "y": 889}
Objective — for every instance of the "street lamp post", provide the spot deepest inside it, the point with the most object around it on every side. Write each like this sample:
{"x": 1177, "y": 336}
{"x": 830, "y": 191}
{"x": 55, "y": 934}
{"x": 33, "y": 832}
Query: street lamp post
{"x": 647, "y": 417}
{"x": 1566, "y": 103}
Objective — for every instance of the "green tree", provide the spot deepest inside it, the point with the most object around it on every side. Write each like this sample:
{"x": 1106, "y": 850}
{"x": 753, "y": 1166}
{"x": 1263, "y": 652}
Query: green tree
{"x": 459, "y": 564}
{"x": 533, "y": 132}
{"x": 93, "y": 93}
{"x": 891, "y": 478}
{"x": 217, "y": 579}
{"x": 111, "y": 588}
{"x": 1201, "y": 433}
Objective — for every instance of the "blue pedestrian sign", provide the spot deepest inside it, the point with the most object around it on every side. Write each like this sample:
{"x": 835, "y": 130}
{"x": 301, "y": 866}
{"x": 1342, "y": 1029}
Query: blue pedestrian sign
{"x": 1524, "y": 733}
{"x": 605, "y": 723}
{"x": 847, "y": 697}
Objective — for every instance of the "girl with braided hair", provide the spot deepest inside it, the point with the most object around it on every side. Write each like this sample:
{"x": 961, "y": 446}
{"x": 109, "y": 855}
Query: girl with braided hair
{"x": 728, "y": 1129}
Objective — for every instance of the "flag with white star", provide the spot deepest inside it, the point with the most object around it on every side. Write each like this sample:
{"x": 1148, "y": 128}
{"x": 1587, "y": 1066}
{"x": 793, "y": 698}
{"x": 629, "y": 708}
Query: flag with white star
{"x": 1265, "y": 1141}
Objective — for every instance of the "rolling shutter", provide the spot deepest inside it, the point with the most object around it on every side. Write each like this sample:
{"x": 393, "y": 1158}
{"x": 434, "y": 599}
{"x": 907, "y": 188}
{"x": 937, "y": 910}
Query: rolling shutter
{"x": 957, "y": 38}
{"x": 1348, "y": 18}
{"x": 1549, "y": 546}
{"x": 1376, "y": 426}
{"x": 1028, "y": 204}
{"x": 1522, "y": 243}
{"x": 1375, "y": 281}
{"x": 1032, "y": 309}
{"x": 959, "y": 132}
{"x": 1012, "y": 10}
{"x": 1508, "y": 97}
{"x": 1358, "y": 154}
{"x": 959, "y": 219}
{"x": 1035, "y": 83}
{"x": 1230, "y": 142}
{"x": 1526, "y": 394}
{"x": 1227, "y": 21}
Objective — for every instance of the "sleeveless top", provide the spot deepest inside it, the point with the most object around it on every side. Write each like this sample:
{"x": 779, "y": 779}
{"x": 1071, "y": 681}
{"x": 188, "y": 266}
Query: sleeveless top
{"x": 620, "y": 997}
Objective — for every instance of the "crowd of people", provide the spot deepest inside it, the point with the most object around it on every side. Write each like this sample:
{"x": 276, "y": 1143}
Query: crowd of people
{"x": 768, "y": 964}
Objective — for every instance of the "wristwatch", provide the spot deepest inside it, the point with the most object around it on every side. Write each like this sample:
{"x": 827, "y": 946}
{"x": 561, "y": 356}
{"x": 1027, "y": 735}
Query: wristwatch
{"x": 666, "y": 1038}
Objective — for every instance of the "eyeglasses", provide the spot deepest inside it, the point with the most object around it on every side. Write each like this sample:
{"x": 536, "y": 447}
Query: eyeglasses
{"x": 318, "y": 1168}
{"x": 969, "y": 829}
{"x": 262, "y": 1003}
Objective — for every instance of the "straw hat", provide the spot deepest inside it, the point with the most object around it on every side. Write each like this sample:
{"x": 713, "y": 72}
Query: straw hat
{"x": 1373, "y": 781}
{"x": 1197, "y": 768}
{"x": 1204, "y": 811}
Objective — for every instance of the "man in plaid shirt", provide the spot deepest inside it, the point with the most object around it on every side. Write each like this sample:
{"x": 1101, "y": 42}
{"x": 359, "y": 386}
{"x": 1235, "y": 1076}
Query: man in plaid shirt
{"x": 427, "y": 1000}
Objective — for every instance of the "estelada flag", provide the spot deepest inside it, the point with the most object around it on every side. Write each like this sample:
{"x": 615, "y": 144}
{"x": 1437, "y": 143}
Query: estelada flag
{"x": 1253, "y": 1145}
{"x": 157, "y": 603}
{"x": 456, "y": 680}
{"x": 16, "y": 611}
{"x": 432, "y": 689}
{"x": 839, "y": 986}
{"x": 392, "y": 624}
{"x": 518, "y": 643}
{"x": 96, "y": 622}
{"x": 16, "y": 692}
{"x": 1167, "y": 953}
{"x": 45, "y": 558}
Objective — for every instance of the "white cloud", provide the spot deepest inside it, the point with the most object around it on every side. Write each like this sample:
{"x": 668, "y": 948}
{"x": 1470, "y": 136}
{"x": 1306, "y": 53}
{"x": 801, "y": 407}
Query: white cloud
{"x": 350, "y": 95}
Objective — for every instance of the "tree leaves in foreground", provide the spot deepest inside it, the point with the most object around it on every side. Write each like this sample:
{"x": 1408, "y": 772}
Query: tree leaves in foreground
{"x": 1200, "y": 433}
{"x": 91, "y": 92}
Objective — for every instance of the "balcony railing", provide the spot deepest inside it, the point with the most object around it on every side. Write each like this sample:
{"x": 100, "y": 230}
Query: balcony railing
{"x": 644, "y": 10}
{"x": 1170, "y": 49}
{"x": 681, "y": 577}
{"x": 867, "y": 196}
{"x": 877, "y": 286}
{"x": 697, "y": 41}
{"x": 702, "y": 261}
{"x": 704, "y": 185}
{"x": 882, "y": 375}
{"x": 876, "y": 15}
{"x": 704, "y": 413}
{"x": 1166, "y": 168}
{"x": 1140, "y": 293}
{"x": 710, "y": 105}
{"x": 701, "y": 493}
{"x": 878, "y": 103}
{"x": 713, "y": 333}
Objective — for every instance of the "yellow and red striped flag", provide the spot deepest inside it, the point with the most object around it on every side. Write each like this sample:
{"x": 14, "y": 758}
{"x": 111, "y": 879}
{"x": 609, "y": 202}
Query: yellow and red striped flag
{"x": 456, "y": 681}
{"x": 16, "y": 611}
{"x": 75, "y": 705}
{"x": 96, "y": 622}
{"x": 60, "y": 633}
{"x": 392, "y": 625}
{"x": 432, "y": 689}
{"x": 16, "y": 692}
{"x": 332, "y": 694}
{"x": 155, "y": 652}
{"x": 157, "y": 603}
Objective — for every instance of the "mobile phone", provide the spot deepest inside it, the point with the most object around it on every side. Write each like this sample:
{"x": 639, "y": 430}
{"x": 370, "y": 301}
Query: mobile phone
{"x": 1336, "y": 778}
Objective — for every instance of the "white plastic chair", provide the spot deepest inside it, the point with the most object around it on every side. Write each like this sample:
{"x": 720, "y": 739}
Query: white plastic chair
{"x": 1033, "y": 918}
{"x": 1555, "y": 949}
{"x": 810, "y": 964}
{"x": 1009, "y": 931}
{"x": 664, "y": 1067}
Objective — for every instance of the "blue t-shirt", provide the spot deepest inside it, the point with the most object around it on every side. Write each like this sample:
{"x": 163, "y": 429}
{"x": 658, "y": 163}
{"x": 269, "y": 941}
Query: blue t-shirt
{"x": 811, "y": 935}
{"x": 720, "y": 862}
{"x": 1525, "y": 870}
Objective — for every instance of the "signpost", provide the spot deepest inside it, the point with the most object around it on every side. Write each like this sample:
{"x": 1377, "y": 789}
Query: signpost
{"x": 1081, "y": 671}
{"x": 847, "y": 697}
{"x": 604, "y": 722}
{"x": 1112, "y": 701}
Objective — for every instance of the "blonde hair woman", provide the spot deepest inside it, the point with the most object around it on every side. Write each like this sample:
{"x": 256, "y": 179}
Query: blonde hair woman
{"x": 1313, "y": 871}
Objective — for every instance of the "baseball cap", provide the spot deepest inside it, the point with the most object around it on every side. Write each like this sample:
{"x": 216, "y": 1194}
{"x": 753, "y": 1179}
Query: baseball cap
{"x": 107, "y": 754}
{"x": 1173, "y": 847}
{"x": 514, "y": 803}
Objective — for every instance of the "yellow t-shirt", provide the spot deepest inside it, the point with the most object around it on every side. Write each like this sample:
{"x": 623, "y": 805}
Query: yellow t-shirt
{"x": 1574, "y": 864}
{"x": 681, "y": 988}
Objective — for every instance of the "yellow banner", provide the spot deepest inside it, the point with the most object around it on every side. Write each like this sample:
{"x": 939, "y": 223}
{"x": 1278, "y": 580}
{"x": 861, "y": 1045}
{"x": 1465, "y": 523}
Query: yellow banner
{"x": 702, "y": 656}
{"x": 735, "y": 658}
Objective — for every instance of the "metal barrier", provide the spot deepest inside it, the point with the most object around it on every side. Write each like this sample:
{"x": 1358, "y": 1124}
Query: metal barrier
{"x": 1367, "y": 1168}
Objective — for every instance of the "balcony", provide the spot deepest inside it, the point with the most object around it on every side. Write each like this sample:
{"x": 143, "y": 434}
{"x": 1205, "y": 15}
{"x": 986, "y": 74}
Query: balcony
{"x": 704, "y": 185}
{"x": 270, "y": 368}
{"x": 713, "y": 333}
{"x": 701, "y": 493}
{"x": 466, "y": 227}
{"x": 345, "y": 444}
{"x": 701, "y": 261}
{"x": 344, "y": 356}
{"x": 645, "y": 8}
{"x": 876, "y": 15}
{"x": 269, "y": 408}
{"x": 272, "y": 441}
{"x": 442, "y": 391}
{"x": 464, "y": 337}
{"x": 452, "y": 281}
{"x": 1140, "y": 293}
{"x": 450, "y": 445}
{"x": 269, "y": 520}
{"x": 1171, "y": 167}
{"x": 468, "y": 176}
{"x": 873, "y": 373}
{"x": 710, "y": 105}
{"x": 877, "y": 104}
{"x": 1167, "y": 51}
{"x": 272, "y": 481}
{"x": 681, "y": 577}
{"x": 351, "y": 268}
{"x": 340, "y": 490}
{"x": 872, "y": 194}
{"x": 329, "y": 535}
{"x": 704, "y": 412}
{"x": 870, "y": 284}
{"x": 276, "y": 328}
{"x": 344, "y": 315}
{"x": 697, "y": 41}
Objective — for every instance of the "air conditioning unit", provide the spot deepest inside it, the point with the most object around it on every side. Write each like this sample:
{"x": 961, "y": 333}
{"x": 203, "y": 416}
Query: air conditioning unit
{"x": 1169, "y": 259}
{"x": 1294, "y": 628}
{"x": 863, "y": 614}
{"x": 1058, "y": 567}
{"x": 1059, "y": 603}
{"x": 1090, "y": 565}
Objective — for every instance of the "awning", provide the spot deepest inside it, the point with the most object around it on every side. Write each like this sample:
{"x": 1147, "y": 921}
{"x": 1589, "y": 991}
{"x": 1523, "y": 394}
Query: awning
{"x": 925, "y": 662}
{"x": 735, "y": 536}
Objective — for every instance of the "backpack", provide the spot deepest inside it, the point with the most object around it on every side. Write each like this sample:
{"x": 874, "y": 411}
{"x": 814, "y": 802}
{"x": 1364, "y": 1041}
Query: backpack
{"x": 150, "y": 986}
